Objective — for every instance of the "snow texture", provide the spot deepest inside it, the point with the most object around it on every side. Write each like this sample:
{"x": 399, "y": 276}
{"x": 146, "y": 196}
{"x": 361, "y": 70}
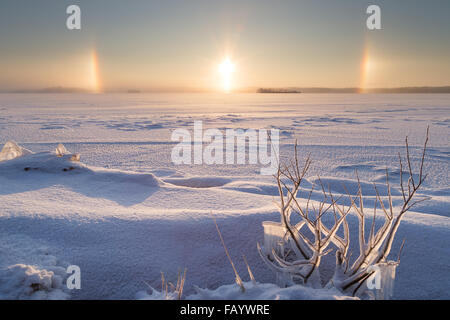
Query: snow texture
{"x": 254, "y": 291}
{"x": 123, "y": 212}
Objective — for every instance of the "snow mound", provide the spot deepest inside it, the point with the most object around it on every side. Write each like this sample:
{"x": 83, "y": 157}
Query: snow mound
{"x": 350, "y": 186}
{"x": 255, "y": 291}
{"x": 198, "y": 182}
{"x": 47, "y": 162}
{"x": 12, "y": 150}
{"x": 29, "y": 271}
{"x": 156, "y": 295}
{"x": 61, "y": 161}
{"x": 260, "y": 188}
{"x": 117, "y": 176}
{"x": 22, "y": 281}
{"x": 267, "y": 291}
{"x": 59, "y": 168}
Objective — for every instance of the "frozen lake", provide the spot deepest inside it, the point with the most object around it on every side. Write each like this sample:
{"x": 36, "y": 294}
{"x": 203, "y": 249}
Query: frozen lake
{"x": 124, "y": 232}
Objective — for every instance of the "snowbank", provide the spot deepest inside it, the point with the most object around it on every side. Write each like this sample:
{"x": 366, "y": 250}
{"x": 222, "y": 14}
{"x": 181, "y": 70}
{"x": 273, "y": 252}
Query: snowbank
{"x": 198, "y": 182}
{"x": 29, "y": 271}
{"x": 254, "y": 291}
{"x": 21, "y": 281}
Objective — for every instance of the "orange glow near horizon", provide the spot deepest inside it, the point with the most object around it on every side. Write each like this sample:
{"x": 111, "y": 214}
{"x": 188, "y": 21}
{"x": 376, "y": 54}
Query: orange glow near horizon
{"x": 94, "y": 79}
{"x": 226, "y": 69}
{"x": 366, "y": 68}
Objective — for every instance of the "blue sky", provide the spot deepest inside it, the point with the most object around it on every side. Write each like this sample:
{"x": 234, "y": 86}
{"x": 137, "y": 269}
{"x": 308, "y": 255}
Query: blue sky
{"x": 179, "y": 44}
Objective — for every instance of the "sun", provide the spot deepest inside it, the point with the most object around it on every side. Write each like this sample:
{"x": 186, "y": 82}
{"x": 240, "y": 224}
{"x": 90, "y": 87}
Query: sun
{"x": 226, "y": 69}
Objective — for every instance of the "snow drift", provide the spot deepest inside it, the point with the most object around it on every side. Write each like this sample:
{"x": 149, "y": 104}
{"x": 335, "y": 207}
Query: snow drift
{"x": 254, "y": 291}
{"x": 116, "y": 219}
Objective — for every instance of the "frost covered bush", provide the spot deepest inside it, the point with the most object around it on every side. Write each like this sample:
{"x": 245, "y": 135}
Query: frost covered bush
{"x": 22, "y": 281}
{"x": 295, "y": 247}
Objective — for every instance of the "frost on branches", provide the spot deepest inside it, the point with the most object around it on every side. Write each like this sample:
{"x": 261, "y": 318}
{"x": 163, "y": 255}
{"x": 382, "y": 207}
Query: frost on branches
{"x": 295, "y": 247}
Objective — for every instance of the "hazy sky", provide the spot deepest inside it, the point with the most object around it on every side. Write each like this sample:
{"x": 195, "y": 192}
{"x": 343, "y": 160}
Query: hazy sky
{"x": 180, "y": 44}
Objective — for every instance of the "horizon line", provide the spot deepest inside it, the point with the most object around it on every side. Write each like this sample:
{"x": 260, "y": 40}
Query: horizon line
{"x": 260, "y": 90}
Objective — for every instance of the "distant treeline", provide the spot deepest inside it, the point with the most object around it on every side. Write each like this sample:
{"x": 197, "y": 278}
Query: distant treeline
{"x": 410, "y": 90}
{"x": 53, "y": 90}
{"x": 278, "y": 90}
{"x": 357, "y": 90}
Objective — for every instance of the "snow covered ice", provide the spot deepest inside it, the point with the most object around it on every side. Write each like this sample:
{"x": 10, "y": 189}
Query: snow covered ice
{"x": 11, "y": 150}
{"x": 110, "y": 201}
